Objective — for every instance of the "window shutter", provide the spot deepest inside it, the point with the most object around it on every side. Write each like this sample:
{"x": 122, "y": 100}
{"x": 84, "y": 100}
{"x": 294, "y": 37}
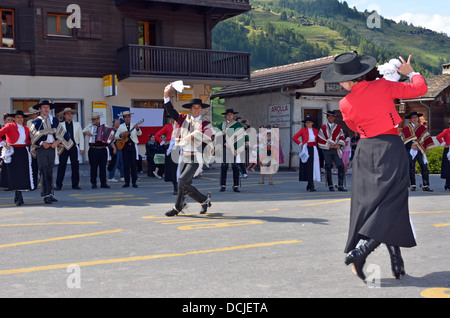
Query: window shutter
{"x": 131, "y": 31}
{"x": 25, "y": 29}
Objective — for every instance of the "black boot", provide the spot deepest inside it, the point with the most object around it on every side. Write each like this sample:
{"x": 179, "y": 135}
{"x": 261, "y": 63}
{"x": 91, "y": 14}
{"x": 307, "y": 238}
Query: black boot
{"x": 358, "y": 256}
{"x": 206, "y": 204}
{"x": 173, "y": 212}
{"x": 397, "y": 264}
{"x": 18, "y": 199}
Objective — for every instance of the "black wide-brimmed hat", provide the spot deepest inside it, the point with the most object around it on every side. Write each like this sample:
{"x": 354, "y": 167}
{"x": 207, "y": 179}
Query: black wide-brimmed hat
{"x": 347, "y": 67}
{"x": 195, "y": 101}
{"x": 331, "y": 113}
{"x": 44, "y": 102}
{"x": 18, "y": 112}
{"x": 412, "y": 114}
{"x": 308, "y": 118}
{"x": 230, "y": 111}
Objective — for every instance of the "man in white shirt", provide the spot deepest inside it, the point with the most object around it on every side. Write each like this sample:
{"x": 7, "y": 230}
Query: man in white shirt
{"x": 129, "y": 152}
{"x": 76, "y": 134}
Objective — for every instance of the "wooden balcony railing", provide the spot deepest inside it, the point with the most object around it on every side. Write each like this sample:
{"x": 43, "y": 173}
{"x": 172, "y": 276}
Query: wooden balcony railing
{"x": 154, "y": 61}
{"x": 204, "y": 3}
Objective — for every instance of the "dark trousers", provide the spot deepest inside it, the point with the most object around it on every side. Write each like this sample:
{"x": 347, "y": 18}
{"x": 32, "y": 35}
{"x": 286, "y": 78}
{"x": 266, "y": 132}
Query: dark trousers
{"x": 46, "y": 161}
{"x": 329, "y": 157}
{"x": 129, "y": 164}
{"x": 72, "y": 153}
{"x": 223, "y": 174}
{"x": 97, "y": 161}
{"x": 187, "y": 171}
{"x": 423, "y": 167}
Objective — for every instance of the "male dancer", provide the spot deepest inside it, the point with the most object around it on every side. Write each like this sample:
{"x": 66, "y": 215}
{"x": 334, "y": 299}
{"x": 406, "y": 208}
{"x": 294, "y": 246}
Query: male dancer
{"x": 231, "y": 145}
{"x": 418, "y": 141}
{"x": 331, "y": 138}
{"x": 193, "y": 134}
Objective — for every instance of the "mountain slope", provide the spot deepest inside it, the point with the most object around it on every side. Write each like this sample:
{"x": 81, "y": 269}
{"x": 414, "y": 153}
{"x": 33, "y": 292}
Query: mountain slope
{"x": 280, "y": 32}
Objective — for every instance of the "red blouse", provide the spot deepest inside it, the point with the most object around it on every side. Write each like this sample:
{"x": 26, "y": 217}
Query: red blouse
{"x": 304, "y": 134}
{"x": 444, "y": 137}
{"x": 11, "y": 130}
{"x": 369, "y": 108}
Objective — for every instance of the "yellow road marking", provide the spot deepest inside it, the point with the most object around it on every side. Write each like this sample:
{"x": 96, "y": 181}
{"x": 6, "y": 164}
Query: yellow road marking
{"x": 141, "y": 258}
{"x": 441, "y": 225}
{"x": 59, "y": 238}
{"x": 30, "y": 224}
{"x": 260, "y": 211}
{"x": 429, "y": 212}
{"x": 216, "y": 225}
{"x": 328, "y": 202}
{"x": 438, "y": 292}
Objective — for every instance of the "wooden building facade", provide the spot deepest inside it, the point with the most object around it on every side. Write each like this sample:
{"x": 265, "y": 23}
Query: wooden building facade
{"x": 55, "y": 50}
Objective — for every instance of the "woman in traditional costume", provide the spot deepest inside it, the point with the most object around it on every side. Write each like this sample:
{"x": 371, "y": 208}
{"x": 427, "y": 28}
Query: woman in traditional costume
{"x": 309, "y": 155}
{"x": 379, "y": 204}
{"x": 16, "y": 174}
{"x": 444, "y": 140}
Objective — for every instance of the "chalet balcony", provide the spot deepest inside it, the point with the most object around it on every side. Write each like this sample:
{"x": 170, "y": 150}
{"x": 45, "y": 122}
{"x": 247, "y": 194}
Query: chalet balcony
{"x": 156, "y": 62}
{"x": 238, "y": 4}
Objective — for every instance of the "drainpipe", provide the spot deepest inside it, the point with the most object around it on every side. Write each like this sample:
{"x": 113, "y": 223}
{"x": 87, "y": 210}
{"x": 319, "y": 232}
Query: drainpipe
{"x": 291, "y": 111}
{"x": 429, "y": 115}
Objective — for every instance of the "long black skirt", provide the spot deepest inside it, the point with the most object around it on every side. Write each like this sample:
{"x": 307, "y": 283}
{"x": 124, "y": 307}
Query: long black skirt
{"x": 379, "y": 203}
{"x": 445, "y": 168}
{"x": 17, "y": 175}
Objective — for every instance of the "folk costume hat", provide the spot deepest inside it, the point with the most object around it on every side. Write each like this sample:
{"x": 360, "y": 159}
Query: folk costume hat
{"x": 412, "y": 114}
{"x": 331, "y": 113}
{"x": 67, "y": 109}
{"x": 44, "y": 102}
{"x": 31, "y": 111}
{"x": 347, "y": 67}
{"x": 127, "y": 112}
{"x": 308, "y": 118}
{"x": 17, "y": 113}
{"x": 230, "y": 111}
{"x": 195, "y": 101}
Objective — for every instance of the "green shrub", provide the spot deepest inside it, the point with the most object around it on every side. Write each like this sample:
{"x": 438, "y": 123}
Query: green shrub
{"x": 434, "y": 157}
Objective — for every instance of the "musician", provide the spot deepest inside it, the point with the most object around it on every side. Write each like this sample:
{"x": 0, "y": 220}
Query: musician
{"x": 170, "y": 167}
{"x": 46, "y": 135}
{"x": 16, "y": 170}
{"x": 444, "y": 140}
{"x": 75, "y": 132}
{"x": 130, "y": 152}
{"x": 418, "y": 141}
{"x": 331, "y": 140}
{"x": 193, "y": 135}
{"x": 33, "y": 114}
{"x": 97, "y": 153}
{"x": 230, "y": 144}
{"x": 309, "y": 156}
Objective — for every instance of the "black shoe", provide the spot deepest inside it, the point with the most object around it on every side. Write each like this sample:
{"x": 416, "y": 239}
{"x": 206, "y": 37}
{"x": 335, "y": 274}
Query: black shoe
{"x": 135, "y": 186}
{"x": 126, "y": 186}
{"x": 331, "y": 188}
{"x": 427, "y": 189}
{"x": 105, "y": 186}
{"x": 18, "y": 199}
{"x": 446, "y": 187}
{"x": 172, "y": 212}
{"x": 311, "y": 189}
{"x": 358, "y": 256}
{"x": 236, "y": 189}
{"x": 222, "y": 189}
{"x": 397, "y": 264}
{"x": 76, "y": 188}
{"x": 94, "y": 186}
{"x": 342, "y": 189}
{"x": 58, "y": 188}
{"x": 53, "y": 199}
{"x": 48, "y": 200}
{"x": 413, "y": 188}
{"x": 206, "y": 204}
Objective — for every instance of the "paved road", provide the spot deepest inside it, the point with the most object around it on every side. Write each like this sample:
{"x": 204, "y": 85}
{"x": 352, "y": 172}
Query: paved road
{"x": 276, "y": 241}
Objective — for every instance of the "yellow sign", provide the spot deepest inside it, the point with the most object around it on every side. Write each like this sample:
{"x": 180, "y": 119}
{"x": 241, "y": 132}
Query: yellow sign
{"x": 186, "y": 95}
{"x": 110, "y": 85}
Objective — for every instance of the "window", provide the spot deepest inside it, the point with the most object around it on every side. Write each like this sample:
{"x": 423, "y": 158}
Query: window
{"x": 57, "y": 25}
{"x": 147, "y": 33}
{"x": 148, "y": 104}
{"x": 24, "y": 105}
{"x": 7, "y": 31}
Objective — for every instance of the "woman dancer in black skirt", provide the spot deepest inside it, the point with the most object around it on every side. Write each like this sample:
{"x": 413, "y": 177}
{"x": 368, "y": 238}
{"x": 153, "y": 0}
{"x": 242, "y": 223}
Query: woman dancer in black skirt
{"x": 16, "y": 174}
{"x": 379, "y": 204}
